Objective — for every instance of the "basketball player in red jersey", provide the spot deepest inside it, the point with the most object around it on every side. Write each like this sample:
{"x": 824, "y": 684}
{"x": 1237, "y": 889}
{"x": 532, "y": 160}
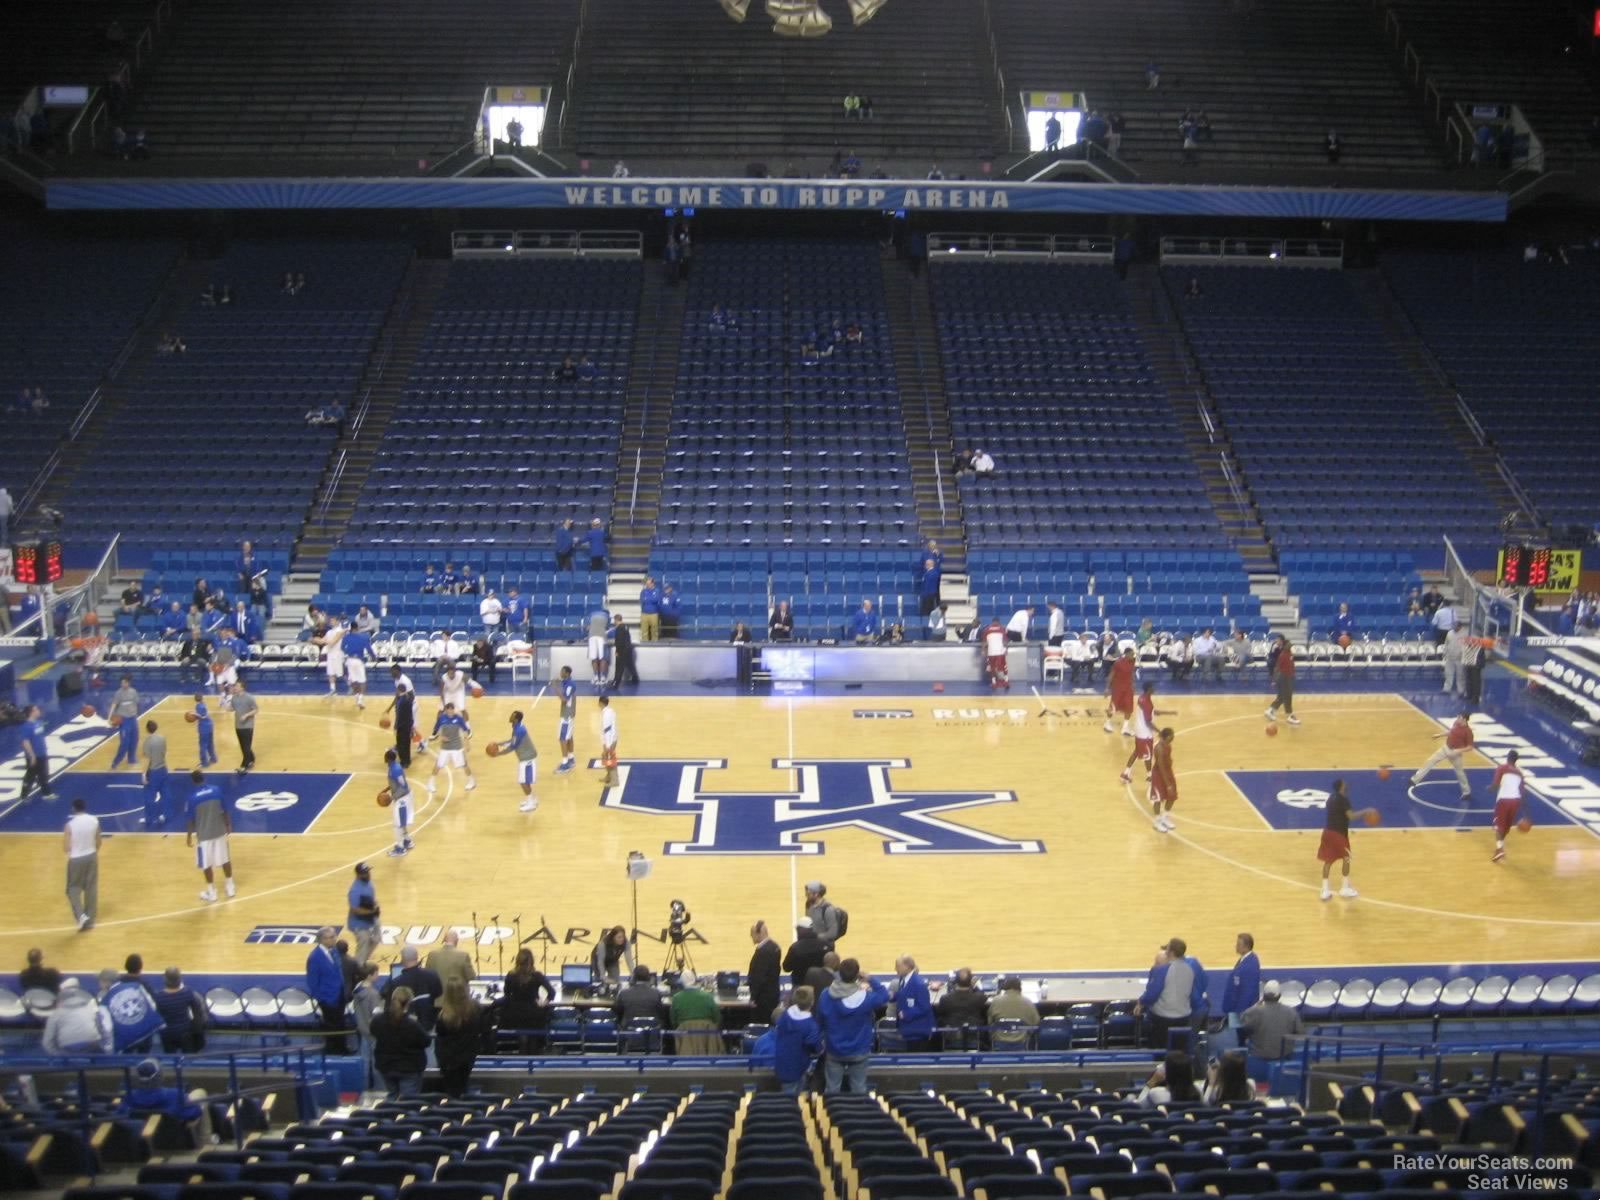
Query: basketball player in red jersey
{"x": 1335, "y": 844}
{"x": 1507, "y": 786}
{"x": 994, "y": 655}
{"x": 1144, "y": 731}
{"x": 1119, "y": 689}
{"x": 1163, "y": 782}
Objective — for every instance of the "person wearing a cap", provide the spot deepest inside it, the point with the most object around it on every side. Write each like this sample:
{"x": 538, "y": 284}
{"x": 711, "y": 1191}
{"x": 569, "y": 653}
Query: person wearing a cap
{"x": 363, "y": 917}
{"x": 77, "y": 1024}
{"x": 146, "y": 1096}
{"x": 1268, "y": 1029}
{"x": 806, "y": 951}
{"x": 824, "y": 917}
{"x": 325, "y": 985}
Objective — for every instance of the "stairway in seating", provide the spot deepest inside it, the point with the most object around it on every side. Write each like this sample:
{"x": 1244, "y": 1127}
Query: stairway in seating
{"x": 642, "y": 451}
{"x": 382, "y": 384}
{"x": 925, "y": 419}
{"x": 182, "y": 286}
{"x": 1166, "y": 346}
{"x": 1437, "y": 390}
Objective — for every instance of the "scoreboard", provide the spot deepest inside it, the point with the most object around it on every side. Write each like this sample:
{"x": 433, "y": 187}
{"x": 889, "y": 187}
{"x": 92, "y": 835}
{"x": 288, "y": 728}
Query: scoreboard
{"x": 36, "y": 562}
{"x": 1540, "y": 568}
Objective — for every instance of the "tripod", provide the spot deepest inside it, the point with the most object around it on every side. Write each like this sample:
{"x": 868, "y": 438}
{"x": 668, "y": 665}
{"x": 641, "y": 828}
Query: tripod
{"x": 678, "y": 958}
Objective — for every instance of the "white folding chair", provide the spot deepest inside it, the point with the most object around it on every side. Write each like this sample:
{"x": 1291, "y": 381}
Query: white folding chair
{"x": 1055, "y": 663}
{"x": 521, "y": 662}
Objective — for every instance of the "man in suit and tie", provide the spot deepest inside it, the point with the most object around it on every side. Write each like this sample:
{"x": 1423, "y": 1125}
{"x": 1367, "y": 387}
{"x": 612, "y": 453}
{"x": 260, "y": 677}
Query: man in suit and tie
{"x": 325, "y": 984}
{"x": 766, "y": 973}
{"x": 1244, "y": 982}
{"x": 449, "y": 961}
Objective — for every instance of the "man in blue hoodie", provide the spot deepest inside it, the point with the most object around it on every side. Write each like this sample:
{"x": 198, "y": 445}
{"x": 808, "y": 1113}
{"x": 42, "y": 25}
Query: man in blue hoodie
{"x": 1175, "y": 994}
{"x": 847, "y": 1011}
{"x": 913, "y": 1011}
{"x": 797, "y": 1040}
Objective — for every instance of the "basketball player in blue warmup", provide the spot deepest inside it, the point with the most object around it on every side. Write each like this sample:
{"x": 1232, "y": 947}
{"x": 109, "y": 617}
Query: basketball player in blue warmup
{"x": 155, "y": 777}
{"x": 357, "y": 647}
{"x": 125, "y": 707}
{"x": 399, "y": 805}
{"x": 451, "y": 731}
{"x": 206, "y": 731}
{"x": 569, "y": 718}
{"x": 522, "y": 746}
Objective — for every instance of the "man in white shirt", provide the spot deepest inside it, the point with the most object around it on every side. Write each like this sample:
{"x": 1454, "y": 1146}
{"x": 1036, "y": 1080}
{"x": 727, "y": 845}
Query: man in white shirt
{"x": 81, "y": 841}
{"x": 982, "y": 464}
{"x": 1017, "y": 627}
{"x": 608, "y": 741}
{"x": 1207, "y": 655}
{"x": 489, "y": 610}
{"x": 1177, "y": 659}
{"x": 1080, "y": 657}
{"x": 1056, "y": 629}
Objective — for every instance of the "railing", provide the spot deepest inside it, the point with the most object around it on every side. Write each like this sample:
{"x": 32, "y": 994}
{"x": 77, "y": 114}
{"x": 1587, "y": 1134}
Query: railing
{"x": 93, "y": 111}
{"x": 335, "y": 477}
{"x": 446, "y": 165}
{"x": 638, "y": 462}
{"x": 547, "y": 243}
{"x": 1255, "y": 251}
{"x": 1075, "y": 247}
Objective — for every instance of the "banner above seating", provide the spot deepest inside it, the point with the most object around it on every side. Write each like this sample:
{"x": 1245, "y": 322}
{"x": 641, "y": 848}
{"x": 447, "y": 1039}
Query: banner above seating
{"x": 777, "y": 195}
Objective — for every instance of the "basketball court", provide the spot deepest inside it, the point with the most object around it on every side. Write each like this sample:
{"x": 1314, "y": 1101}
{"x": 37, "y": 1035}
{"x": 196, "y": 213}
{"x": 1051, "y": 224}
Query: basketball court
{"x": 966, "y": 830}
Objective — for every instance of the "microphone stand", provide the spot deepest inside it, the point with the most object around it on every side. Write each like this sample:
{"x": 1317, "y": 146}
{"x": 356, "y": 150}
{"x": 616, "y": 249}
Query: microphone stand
{"x": 544, "y": 950}
{"x": 477, "y": 967}
{"x": 500, "y": 945}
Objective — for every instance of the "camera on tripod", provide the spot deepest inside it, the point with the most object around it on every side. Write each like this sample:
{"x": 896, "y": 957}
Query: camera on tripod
{"x": 678, "y": 920}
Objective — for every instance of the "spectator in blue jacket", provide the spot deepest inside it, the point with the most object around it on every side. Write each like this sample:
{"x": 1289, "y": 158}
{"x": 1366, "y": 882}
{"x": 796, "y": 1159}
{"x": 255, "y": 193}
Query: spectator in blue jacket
{"x": 1244, "y": 981}
{"x": 650, "y": 610}
{"x": 797, "y": 1040}
{"x": 1343, "y": 623}
{"x": 564, "y": 544}
{"x": 864, "y": 623}
{"x": 596, "y": 537}
{"x": 928, "y": 585}
{"x": 671, "y": 611}
{"x": 325, "y": 985}
{"x": 146, "y": 1096}
{"x": 1175, "y": 993}
{"x": 913, "y": 1010}
{"x": 848, "y": 1010}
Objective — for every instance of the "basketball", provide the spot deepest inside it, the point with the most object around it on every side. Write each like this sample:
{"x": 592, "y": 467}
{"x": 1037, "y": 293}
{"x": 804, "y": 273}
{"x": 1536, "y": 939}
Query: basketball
{"x": 88, "y": 710}
{"x": 1371, "y": 817}
{"x": 492, "y": 749}
{"x": 1344, "y": 641}
{"x": 115, "y": 721}
{"x": 385, "y": 798}
{"x": 938, "y": 687}
{"x": 416, "y": 737}
{"x": 1524, "y": 825}
{"x": 1272, "y": 730}
{"x": 385, "y": 723}
{"x": 91, "y": 618}
{"x": 217, "y": 668}
{"x": 1383, "y": 772}
{"x": 477, "y": 690}
{"x": 192, "y": 718}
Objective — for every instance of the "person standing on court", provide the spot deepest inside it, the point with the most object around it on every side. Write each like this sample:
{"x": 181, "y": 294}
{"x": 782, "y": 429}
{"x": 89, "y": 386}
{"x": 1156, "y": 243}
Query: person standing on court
{"x": 244, "y": 725}
{"x": 1335, "y": 844}
{"x": 1283, "y": 679}
{"x": 207, "y": 830}
{"x": 1472, "y": 655}
{"x": 608, "y": 741}
{"x": 1454, "y": 643}
{"x": 649, "y": 610}
{"x": 766, "y": 973}
{"x": 405, "y": 721}
{"x": 596, "y": 539}
{"x": 36, "y": 754}
{"x": 82, "y": 844}
{"x": 824, "y": 916}
{"x": 362, "y": 920}
{"x": 155, "y": 777}
{"x": 325, "y": 985}
{"x": 124, "y": 715}
{"x": 564, "y": 544}
{"x": 623, "y": 666}
{"x": 1457, "y": 741}
{"x": 1244, "y": 981}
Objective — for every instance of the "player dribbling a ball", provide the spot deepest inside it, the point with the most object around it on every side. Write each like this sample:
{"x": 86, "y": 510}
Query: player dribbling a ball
{"x": 1335, "y": 845}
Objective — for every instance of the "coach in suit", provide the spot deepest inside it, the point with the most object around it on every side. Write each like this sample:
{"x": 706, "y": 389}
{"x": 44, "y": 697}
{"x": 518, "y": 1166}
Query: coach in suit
{"x": 623, "y": 667}
{"x": 766, "y": 973}
{"x": 449, "y": 961}
{"x": 325, "y": 984}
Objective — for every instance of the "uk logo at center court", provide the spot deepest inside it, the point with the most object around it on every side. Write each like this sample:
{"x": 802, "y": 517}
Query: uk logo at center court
{"x": 831, "y": 794}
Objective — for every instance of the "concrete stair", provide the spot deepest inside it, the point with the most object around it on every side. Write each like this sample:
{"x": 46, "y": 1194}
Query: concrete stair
{"x": 290, "y": 609}
{"x": 1166, "y": 346}
{"x": 646, "y": 421}
{"x": 383, "y": 383}
{"x": 925, "y": 415}
{"x": 1279, "y": 606}
{"x": 1437, "y": 389}
{"x": 185, "y": 283}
